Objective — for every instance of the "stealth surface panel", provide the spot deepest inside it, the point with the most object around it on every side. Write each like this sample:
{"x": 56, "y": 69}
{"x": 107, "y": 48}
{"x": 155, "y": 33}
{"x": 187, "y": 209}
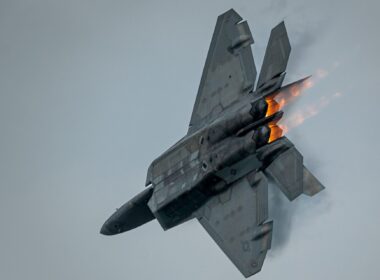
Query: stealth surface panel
{"x": 287, "y": 171}
{"x": 229, "y": 71}
{"x": 276, "y": 55}
{"x": 311, "y": 185}
{"x": 234, "y": 219}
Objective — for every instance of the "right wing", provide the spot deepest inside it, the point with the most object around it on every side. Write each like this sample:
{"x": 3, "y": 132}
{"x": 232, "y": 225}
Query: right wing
{"x": 235, "y": 219}
{"x": 229, "y": 71}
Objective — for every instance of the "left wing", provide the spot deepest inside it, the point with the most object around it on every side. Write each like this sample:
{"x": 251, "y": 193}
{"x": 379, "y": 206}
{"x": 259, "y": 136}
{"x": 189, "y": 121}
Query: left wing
{"x": 229, "y": 71}
{"x": 235, "y": 220}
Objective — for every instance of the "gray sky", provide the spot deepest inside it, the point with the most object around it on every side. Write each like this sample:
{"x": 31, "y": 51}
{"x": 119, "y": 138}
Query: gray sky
{"x": 92, "y": 91}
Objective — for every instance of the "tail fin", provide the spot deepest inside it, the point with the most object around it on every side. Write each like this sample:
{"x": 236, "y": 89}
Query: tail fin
{"x": 286, "y": 171}
{"x": 293, "y": 178}
{"x": 276, "y": 55}
{"x": 311, "y": 185}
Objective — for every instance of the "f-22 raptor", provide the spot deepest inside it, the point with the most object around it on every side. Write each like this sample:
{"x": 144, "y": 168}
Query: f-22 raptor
{"x": 218, "y": 172}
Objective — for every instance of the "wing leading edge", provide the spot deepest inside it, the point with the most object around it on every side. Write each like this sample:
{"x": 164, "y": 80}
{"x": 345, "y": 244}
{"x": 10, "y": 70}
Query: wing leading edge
{"x": 229, "y": 71}
{"x": 235, "y": 219}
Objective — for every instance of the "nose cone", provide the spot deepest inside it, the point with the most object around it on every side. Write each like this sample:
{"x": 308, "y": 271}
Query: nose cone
{"x": 106, "y": 230}
{"x": 132, "y": 214}
{"x": 112, "y": 226}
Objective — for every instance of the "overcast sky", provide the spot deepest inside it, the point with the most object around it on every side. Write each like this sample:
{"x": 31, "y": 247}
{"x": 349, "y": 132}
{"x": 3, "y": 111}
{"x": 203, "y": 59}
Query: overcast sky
{"x": 92, "y": 91}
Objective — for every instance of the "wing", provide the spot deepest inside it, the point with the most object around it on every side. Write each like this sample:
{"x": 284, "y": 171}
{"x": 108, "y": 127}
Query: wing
{"x": 229, "y": 71}
{"x": 235, "y": 220}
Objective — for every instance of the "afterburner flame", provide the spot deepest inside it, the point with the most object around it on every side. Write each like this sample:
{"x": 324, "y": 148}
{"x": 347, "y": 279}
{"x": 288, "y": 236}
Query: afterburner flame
{"x": 273, "y": 106}
{"x": 289, "y": 95}
{"x": 280, "y": 100}
{"x": 297, "y": 118}
{"x": 275, "y": 132}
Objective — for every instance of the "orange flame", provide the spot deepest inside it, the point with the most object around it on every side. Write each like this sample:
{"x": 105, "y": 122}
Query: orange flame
{"x": 277, "y": 102}
{"x": 301, "y": 115}
{"x": 275, "y": 132}
{"x": 273, "y": 106}
{"x": 287, "y": 96}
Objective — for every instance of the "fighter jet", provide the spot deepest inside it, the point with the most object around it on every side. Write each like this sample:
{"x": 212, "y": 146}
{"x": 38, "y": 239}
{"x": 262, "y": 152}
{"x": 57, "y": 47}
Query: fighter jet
{"x": 218, "y": 172}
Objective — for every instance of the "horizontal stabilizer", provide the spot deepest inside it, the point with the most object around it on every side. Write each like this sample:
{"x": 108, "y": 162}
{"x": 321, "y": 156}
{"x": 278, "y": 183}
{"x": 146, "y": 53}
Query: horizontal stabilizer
{"x": 287, "y": 172}
{"x": 311, "y": 185}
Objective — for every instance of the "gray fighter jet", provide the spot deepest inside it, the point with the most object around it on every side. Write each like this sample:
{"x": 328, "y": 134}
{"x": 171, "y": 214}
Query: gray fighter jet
{"x": 218, "y": 172}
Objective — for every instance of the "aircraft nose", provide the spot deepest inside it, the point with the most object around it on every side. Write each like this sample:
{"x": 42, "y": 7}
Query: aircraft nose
{"x": 105, "y": 230}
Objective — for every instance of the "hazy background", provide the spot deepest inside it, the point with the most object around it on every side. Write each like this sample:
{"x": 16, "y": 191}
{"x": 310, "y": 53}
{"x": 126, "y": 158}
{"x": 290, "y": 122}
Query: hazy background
{"x": 92, "y": 91}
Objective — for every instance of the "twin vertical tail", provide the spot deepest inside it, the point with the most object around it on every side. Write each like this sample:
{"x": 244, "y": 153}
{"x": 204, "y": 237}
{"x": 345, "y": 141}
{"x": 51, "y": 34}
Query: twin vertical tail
{"x": 284, "y": 165}
{"x": 275, "y": 61}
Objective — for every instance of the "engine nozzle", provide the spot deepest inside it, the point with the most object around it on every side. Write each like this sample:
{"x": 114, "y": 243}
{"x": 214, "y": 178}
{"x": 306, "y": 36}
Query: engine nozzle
{"x": 261, "y": 136}
{"x": 259, "y": 109}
